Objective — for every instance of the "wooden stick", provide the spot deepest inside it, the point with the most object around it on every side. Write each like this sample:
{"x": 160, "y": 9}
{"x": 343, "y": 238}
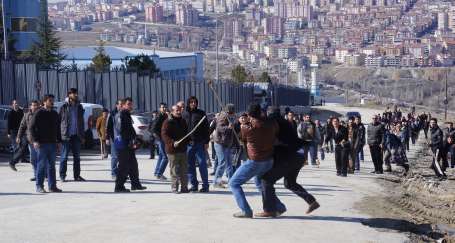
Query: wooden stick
{"x": 191, "y": 132}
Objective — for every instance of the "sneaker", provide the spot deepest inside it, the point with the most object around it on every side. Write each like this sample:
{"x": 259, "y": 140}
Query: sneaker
{"x": 79, "y": 179}
{"x": 40, "y": 190}
{"x": 12, "y": 166}
{"x": 204, "y": 190}
{"x": 121, "y": 190}
{"x": 163, "y": 178}
{"x": 312, "y": 207}
{"x": 243, "y": 215}
{"x": 138, "y": 188}
{"x": 184, "y": 190}
{"x": 193, "y": 189}
{"x": 175, "y": 191}
{"x": 219, "y": 185}
{"x": 55, "y": 189}
{"x": 266, "y": 215}
{"x": 279, "y": 213}
{"x": 33, "y": 179}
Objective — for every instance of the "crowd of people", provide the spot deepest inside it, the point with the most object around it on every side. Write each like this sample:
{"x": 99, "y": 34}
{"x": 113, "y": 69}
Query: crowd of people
{"x": 266, "y": 145}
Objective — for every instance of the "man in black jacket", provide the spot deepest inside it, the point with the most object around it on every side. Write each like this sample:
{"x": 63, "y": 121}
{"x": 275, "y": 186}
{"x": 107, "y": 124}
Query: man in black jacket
{"x": 360, "y": 141}
{"x": 72, "y": 130}
{"x": 110, "y": 135}
{"x": 375, "y": 141}
{"x": 198, "y": 144}
{"x": 46, "y": 138}
{"x": 125, "y": 140}
{"x": 161, "y": 164}
{"x": 14, "y": 120}
{"x": 437, "y": 146}
{"x": 287, "y": 164}
{"x": 450, "y": 140}
{"x": 23, "y": 139}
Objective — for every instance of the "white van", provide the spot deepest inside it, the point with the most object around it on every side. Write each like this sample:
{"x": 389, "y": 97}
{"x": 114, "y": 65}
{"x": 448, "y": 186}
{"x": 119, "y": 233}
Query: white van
{"x": 91, "y": 113}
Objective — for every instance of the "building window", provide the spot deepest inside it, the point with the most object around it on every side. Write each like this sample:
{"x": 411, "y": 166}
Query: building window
{"x": 24, "y": 24}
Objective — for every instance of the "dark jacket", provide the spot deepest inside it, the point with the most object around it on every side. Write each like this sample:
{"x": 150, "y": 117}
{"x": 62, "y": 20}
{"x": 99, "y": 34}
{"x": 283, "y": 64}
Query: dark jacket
{"x": 65, "y": 121}
{"x": 288, "y": 141}
{"x": 259, "y": 136}
{"x": 340, "y": 138}
{"x": 24, "y": 128}
{"x": 391, "y": 141}
{"x": 45, "y": 127}
{"x": 192, "y": 118}
{"x": 436, "y": 137}
{"x": 361, "y": 133}
{"x": 173, "y": 130}
{"x": 14, "y": 121}
{"x": 322, "y": 133}
{"x": 124, "y": 126}
{"x": 376, "y": 134}
{"x": 158, "y": 124}
{"x": 449, "y": 133}
{"x": 110, "y": 124}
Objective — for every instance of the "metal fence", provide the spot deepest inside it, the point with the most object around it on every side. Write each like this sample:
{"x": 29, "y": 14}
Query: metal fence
{"x": 24, "y": 82}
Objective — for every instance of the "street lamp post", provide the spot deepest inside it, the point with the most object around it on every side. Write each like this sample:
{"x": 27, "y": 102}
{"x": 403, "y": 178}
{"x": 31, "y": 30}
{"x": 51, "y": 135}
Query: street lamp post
{"x": 216, "y": 51}
{"x": 446, "y": 101}
{"x": 5, "y": 32}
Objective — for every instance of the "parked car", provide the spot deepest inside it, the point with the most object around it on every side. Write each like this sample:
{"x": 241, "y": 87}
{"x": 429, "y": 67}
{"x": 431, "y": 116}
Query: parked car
{"x": 141, "y": 127}
{"x": 5, "y": 143}
{"x": 350, "y": 114}
{"x": 91, "y": 113}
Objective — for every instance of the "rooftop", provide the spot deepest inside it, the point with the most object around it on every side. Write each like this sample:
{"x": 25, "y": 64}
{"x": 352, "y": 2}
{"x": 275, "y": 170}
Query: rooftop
{"x": 117, "y": 53}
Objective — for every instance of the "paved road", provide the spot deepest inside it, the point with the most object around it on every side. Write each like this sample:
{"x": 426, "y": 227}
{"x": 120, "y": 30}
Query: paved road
{"x": 90, "y": 212}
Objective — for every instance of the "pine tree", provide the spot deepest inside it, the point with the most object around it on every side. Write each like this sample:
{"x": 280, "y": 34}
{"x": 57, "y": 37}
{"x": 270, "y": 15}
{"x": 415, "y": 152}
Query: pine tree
{"x": 101, "y": 61}
{"x": 142, "y": 64}
{"x": 45, "y": 52}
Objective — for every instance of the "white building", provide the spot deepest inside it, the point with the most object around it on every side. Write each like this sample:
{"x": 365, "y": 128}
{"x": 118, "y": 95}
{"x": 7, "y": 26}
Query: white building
{"x": 294, "y": 65}
{"x": 374, "y": 61}
{"x": 172, "y": 65}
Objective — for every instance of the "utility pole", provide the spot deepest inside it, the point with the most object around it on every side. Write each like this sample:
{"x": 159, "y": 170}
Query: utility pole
{"x": 5, "y": 32}
{"x": 216, "y": 51}
{"x": 446, "y": 101}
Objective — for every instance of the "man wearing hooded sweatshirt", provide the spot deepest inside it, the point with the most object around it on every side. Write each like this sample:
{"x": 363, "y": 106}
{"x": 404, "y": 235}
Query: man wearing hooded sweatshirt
{"x": 199, "y": 139}
{"x": 72, "y": 130}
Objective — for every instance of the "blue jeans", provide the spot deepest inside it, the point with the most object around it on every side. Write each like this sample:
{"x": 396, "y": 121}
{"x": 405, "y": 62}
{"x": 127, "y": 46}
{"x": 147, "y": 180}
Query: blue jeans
{"x": 361, "y": 154}
{"x": 14, "y": 145}
{"x": 194, "y": 151}
{"x": 33, "y": 158}
{"x": 73, "y": 144}
{"x": 312, "y": 148}
{"x": 46, "y": 161}
{"x": 114, "y": 159}
{"x": 244, "y": 173}
{"x": 161, "y": 164}
{"x": 321, "y": 152}
{"x": 224, "y": 155}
